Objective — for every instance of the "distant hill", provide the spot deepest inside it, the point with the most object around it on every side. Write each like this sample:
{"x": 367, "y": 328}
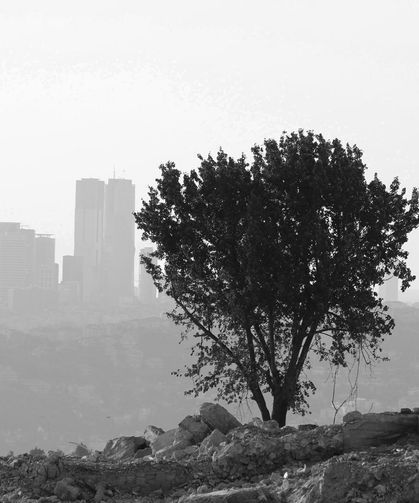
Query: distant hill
{"x": 91, "y": 376}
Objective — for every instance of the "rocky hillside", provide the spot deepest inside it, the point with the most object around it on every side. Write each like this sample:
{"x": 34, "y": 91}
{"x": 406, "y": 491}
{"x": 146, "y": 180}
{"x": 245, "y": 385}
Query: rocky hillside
{"x": 211, "y": 458}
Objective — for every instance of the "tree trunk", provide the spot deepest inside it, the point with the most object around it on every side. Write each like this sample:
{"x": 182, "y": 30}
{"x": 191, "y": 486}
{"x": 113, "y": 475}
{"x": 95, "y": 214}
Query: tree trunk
{"x": 280, "y": 407}
{"x": 261, "y": 403}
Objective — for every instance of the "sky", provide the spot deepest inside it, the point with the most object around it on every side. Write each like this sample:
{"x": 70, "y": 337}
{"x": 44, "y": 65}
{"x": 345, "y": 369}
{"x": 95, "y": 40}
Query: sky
{"x": 92, "y": 86}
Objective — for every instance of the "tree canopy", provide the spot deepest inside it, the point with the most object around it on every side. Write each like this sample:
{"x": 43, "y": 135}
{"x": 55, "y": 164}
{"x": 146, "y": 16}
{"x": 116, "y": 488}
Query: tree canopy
{"x": 274, "y": 262}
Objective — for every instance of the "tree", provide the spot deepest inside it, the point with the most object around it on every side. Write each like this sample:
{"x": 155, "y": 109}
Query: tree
{"x": 274, "y": 263}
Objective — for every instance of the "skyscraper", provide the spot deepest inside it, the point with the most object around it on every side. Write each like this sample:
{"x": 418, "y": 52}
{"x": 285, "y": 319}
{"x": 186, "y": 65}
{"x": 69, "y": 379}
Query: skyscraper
{"x": 119, "y": 244}
{"x": 88, "y": 234}
{"x": 17, "y": 259}
{"x": 46, "y": 270}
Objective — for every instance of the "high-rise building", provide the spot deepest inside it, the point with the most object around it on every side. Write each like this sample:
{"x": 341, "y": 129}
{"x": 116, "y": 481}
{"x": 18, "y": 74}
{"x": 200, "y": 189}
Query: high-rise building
{"x": 118, "y": 241}
{"x": 46, "y": 270}
{"x": 71, "y": 284}
{"x": 88, "y": 234}
{"x": 17, "y": 259}
{"x": 146, "y": 288}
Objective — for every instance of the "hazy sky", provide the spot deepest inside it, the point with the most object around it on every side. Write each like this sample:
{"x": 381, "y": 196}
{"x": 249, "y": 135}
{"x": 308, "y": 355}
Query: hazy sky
{"x": 87, "y": 86}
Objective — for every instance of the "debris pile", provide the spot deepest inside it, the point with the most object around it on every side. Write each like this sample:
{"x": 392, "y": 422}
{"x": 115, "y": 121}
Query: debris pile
{"x": 211, "y": 457}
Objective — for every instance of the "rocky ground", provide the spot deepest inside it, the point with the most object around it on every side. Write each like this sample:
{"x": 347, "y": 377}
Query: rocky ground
{"x": 211, "y": 458}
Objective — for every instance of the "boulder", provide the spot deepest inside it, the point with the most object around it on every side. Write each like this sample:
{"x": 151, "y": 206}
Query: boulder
{"x": 196, "y": 427}
{"x": 152, "y": 432}
{"x": 187, "y": 452}
{"x": 142, "y": 453}
{"x": 252, "y": 451}
{"x": 210, "y": 443}
{"x": 270, "y": 425}
{"x": 217, "y": 417}
{"x": 122, "y": 448}
{"x": 66, "y": 490}
{"x": 354, "y": 415}
{"x": 81, "y": 450}
{"x": 163, "y": 441}
{"x": 183, "y": 438}
{"x": 374, "y": 429}
{"x": 307, "y": 427}
{"x": 286, "y": 430}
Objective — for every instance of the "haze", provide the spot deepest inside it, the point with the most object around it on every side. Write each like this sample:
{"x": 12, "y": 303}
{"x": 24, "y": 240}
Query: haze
{"x": 89, "y": 87}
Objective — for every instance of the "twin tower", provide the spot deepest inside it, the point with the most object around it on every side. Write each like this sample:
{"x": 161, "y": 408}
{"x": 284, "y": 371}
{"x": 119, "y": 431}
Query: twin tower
{"x": 104, "y": 241}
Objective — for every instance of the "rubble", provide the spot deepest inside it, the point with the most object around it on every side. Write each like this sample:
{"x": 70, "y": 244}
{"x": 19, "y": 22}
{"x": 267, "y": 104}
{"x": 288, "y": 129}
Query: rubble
{"x": 369, "y": 458}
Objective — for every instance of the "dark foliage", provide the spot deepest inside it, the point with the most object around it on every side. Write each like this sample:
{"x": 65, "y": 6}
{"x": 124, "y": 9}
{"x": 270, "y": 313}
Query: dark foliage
{"x": 275, "y": 262}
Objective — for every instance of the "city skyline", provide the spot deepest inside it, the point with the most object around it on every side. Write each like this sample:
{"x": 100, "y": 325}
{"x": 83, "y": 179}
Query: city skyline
{"x": 143, "y": 84}
{"x": 101, "y": 269}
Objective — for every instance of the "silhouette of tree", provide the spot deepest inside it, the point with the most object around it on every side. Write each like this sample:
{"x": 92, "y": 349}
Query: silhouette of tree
{"x": 274, "y": 263}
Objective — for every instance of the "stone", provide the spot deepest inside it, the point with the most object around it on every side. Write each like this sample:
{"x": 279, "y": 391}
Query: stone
{"x": 270, "y": 425}
{"x": 152, "y": 432}
{"x": 354, "y": 415}
{"x": 374, "y": 429}
{"x": 163, "y": 441}
{"x": 286, "y": 430}
{"x": 187, "y": 452}
{"x": 66, "y": 490}
{"x": 142, "y": 453}
{"x": 256, "y": 421}
{"x": 183, "y": 438}
{"x": 406, "y": 410}
{"x": 307, "y": 427}
{"x": 217, "y": 417}
{"x": 210, "y": 443}
{"x": 196, "y": 426}
{"x": 122, "y": 448}
{"x": 81, "y": 450}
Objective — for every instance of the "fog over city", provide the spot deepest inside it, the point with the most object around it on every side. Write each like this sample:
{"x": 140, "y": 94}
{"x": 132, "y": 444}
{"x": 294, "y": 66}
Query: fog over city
{"x": 94, "y": 96}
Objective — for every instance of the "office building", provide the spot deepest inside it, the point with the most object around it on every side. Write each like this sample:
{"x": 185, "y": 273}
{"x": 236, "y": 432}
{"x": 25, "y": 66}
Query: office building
{"x": 118, "y": 241}
{"x": 88, "y": 234}
{"x": 46, "y": 270}
{"x": 17, "y": 260}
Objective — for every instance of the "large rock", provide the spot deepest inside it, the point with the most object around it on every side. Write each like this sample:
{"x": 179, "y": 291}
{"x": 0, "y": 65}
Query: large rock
{"x": 252, "y": 451}
{"x": 217, "y": 417}
{"x": 152, "y": 432}
{"x": 164, "y": 440}
{"x": 196, "y": 427}
{"x": 210, "y": 443}
{"x": 386, "y": 479}
{"x": 182, "y": 439}
{"x": 372, "y": 430}
{"x": 249, "y": 451}
{"x": 66, "y": 490}
{"x": 122, "y": 448}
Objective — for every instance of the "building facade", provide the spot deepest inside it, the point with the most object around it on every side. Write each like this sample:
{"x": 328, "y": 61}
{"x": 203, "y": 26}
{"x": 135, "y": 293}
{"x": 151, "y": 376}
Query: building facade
{"x": 118, "y": 241}
{"x": 88, "y": 234}
{"x": 104, "y": 240}
{"x": 17, "y": 260}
